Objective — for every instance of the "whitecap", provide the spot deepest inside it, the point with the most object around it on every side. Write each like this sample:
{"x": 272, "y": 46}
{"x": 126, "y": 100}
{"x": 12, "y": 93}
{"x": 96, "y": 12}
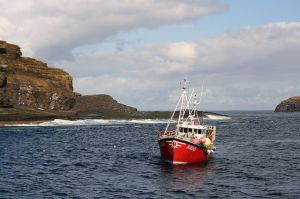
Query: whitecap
{"x": 217, "y": 117}
{"x": 61, "y": 122}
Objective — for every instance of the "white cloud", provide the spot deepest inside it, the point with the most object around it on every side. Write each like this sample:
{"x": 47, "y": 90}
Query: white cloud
{"x": 248, "y": 44}
{"x": 247, "y": 69}
{"x": 50, "y": 29}
{"x": 251, "y": 68}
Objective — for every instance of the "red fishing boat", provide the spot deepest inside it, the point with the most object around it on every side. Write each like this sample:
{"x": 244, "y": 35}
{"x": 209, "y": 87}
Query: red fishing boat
{"x": 190, "y": 140}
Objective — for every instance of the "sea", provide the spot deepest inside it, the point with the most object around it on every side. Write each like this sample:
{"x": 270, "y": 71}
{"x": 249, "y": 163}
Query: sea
{"x": 257, "y": 156}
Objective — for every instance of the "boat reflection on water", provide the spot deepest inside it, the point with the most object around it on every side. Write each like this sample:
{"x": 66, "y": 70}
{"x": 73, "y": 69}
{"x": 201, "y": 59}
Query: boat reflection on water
{"x": 187, "y": 177}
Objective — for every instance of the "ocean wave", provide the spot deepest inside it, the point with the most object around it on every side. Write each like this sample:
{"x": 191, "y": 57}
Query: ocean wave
{"x": 61, "y": 122}
{"x": 217, "y": 117}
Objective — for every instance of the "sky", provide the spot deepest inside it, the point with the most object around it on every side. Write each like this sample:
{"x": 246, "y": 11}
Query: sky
{"x": 245, "y": 54}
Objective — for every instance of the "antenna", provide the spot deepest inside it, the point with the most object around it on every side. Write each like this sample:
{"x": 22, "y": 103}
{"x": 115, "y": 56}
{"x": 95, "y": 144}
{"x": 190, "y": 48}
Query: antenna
{"x": 201, "y": 94}
{"x": 197, "y": 102}
{"x": 184, "y": 83}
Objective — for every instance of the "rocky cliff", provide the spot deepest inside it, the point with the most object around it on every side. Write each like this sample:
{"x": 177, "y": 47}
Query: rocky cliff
{"x": 30, "y": 83}
{"x": 30, "y": 90}
{"x": 289, "y": 105}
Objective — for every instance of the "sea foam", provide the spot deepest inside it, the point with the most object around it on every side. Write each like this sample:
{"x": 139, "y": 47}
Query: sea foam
{"x": 61, "y": 122}
{"x": 217, "y": 117}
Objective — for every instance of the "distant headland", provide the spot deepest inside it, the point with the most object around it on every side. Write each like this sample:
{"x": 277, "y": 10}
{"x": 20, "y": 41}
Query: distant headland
{"x": 289, "y": 105}
{"x": 32, "y": 91}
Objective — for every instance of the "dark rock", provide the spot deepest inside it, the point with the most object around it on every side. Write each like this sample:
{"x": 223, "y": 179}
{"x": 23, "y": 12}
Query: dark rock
{"x": 101, "y": 106}
{"x": 289, "y": 105}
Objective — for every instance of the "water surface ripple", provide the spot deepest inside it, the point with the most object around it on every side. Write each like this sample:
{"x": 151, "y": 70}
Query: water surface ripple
{"x": 258, "y": 156}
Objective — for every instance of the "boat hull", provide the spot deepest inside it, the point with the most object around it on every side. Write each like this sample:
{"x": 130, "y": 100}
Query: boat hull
{"x": 177, "y": 151}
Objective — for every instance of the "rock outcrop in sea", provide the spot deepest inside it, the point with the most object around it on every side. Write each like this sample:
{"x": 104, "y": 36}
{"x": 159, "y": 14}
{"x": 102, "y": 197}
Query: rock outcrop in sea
{"x": 289, "y": 105}
{"x": 101, "y": 106}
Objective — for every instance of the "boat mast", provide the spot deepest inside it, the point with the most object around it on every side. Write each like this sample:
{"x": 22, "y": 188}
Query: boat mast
{"x": 183, "y": 101}
{"x": 195, "y": 104}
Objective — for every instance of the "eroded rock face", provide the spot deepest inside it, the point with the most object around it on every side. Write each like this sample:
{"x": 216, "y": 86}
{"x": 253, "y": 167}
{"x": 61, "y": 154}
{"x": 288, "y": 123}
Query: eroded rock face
{"x": 290, "y": 105}
{"x": 26, "y": 82}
